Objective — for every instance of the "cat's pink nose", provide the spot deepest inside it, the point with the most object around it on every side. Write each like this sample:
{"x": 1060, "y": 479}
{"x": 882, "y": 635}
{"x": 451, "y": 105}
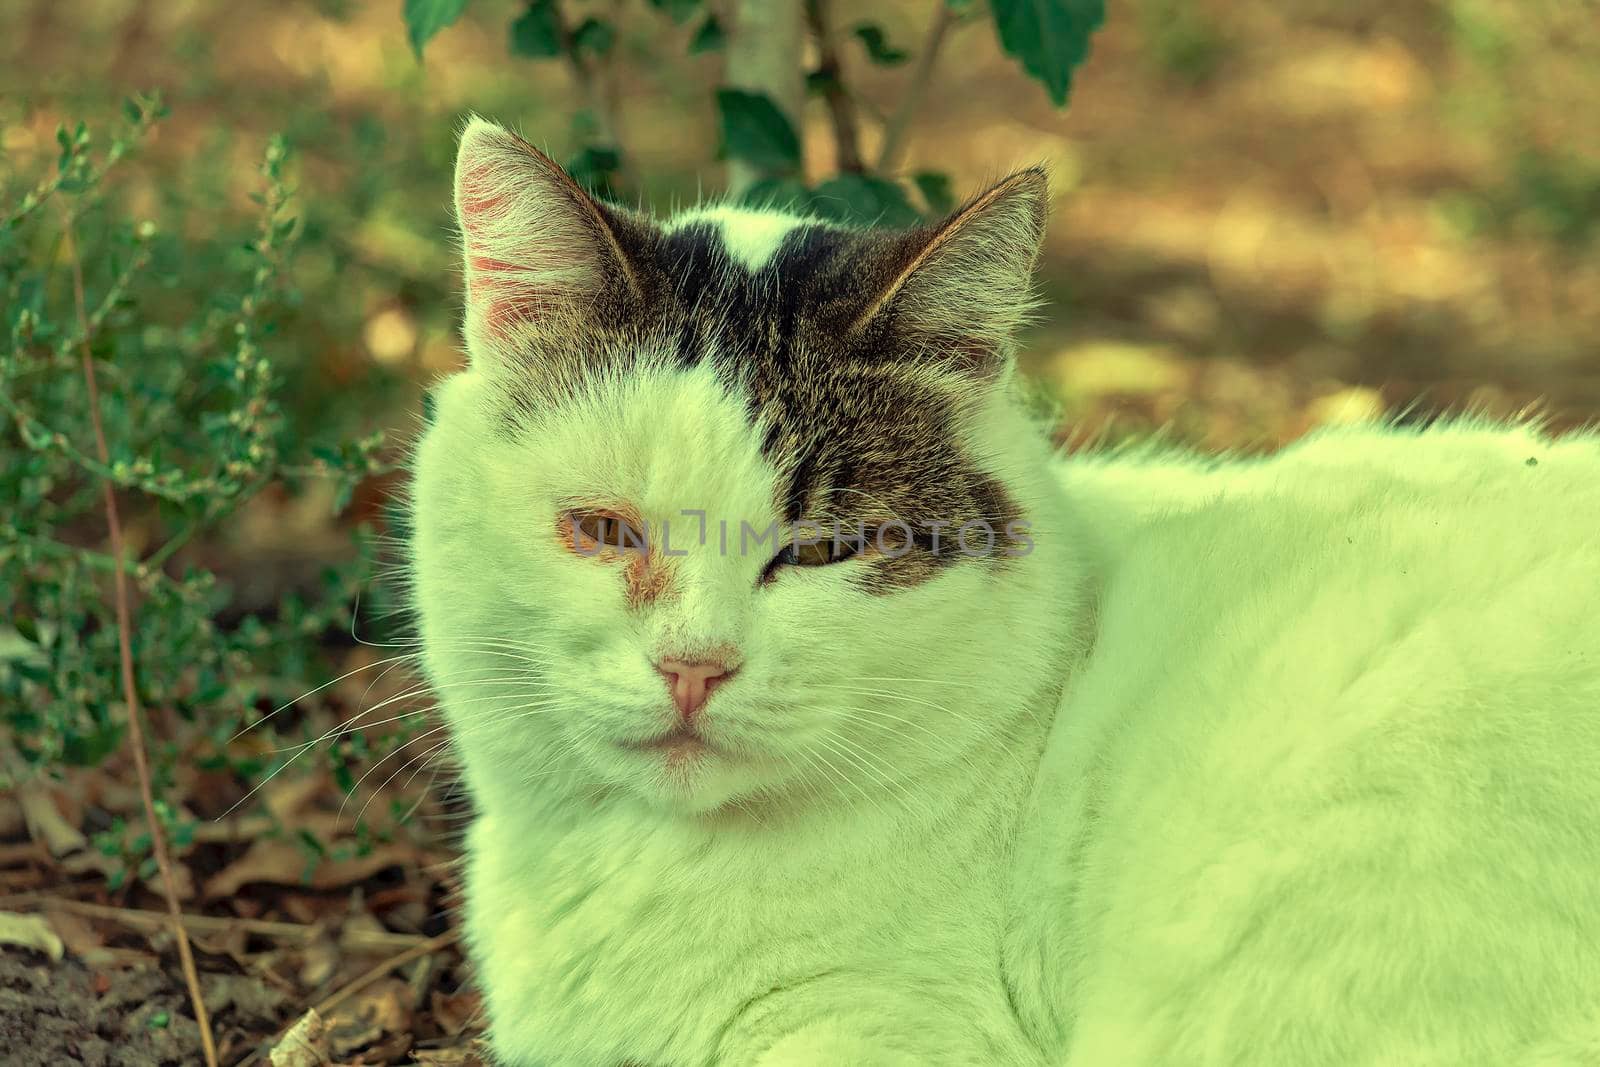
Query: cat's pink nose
{"x": 692, "y": 683}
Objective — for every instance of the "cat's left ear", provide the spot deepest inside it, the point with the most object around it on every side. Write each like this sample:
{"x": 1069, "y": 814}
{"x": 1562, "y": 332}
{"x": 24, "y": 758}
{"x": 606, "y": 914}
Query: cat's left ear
{"x": 543, "y": 257}
{"x": 959, "y": 289}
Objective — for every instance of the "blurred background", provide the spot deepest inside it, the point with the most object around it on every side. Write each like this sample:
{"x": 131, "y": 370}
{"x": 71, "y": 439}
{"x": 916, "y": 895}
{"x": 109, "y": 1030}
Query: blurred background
{"x": 1268, "y": 216}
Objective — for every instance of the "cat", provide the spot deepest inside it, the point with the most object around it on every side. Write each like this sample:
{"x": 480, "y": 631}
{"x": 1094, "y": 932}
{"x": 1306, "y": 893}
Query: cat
{"x": 816, "y": 712}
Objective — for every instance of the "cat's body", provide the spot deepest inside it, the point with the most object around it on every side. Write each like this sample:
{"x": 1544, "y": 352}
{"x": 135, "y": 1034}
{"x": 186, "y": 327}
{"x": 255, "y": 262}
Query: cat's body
{"x": 1278, "y": 761}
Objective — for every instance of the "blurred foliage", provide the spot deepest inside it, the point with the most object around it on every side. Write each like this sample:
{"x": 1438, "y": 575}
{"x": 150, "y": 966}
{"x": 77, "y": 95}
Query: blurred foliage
{"x": 187, "y": 343}
{"x": 1048, "y": 38}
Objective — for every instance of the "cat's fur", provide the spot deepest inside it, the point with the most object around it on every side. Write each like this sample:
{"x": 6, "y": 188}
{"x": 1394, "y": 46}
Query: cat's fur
{"x": 1288, "y": 761}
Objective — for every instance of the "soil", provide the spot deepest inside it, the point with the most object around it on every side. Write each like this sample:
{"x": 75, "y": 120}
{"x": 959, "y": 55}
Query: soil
{"x": 59, "y": 1013}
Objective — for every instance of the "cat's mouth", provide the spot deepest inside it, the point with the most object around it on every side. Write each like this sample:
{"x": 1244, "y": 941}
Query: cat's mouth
{"x": 681, "y": 742}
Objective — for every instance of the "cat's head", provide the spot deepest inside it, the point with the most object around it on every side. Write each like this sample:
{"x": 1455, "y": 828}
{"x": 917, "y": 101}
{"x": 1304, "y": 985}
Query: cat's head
{"x": 736, "y": 506}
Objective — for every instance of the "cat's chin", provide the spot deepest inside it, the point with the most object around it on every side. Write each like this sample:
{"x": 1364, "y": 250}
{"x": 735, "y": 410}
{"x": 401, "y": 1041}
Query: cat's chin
{"x": 686, "y": 774}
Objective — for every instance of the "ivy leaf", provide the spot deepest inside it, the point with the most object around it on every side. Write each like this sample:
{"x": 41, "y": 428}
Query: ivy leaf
{"x": 779, "y": 194}
{"x": 424, "y": 18}
{"x": 935, "y": 189}
{"x": 594, "y": 35}
{"x": 877, "y": 44}
{"x": 755, "y": 131}
{"x": 708, "y": 38}
{"x": 677, "y": 10}
{"x": 537, "y": 33}
{"x": 862, "y": 199}
{"x": 1048, "y": 37}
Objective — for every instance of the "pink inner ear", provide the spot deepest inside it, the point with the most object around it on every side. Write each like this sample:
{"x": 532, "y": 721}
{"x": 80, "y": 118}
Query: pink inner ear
{"x": 508, "y": 291}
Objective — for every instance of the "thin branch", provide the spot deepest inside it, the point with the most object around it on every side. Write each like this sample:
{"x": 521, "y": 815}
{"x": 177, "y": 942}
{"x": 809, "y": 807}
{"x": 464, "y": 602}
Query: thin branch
{"x": 894, "y": 133}
{"x": 353, "y": 939}
{"x": 841, "y": 106}
{"x": 356, "y": 985}
{"x": 158, "y": 837}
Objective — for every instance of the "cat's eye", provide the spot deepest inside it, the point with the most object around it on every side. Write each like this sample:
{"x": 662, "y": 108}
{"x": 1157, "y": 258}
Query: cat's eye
{"x": 803, "y": 551}
{"x": 590, "y": 533}
{"x": 819, "y": 554}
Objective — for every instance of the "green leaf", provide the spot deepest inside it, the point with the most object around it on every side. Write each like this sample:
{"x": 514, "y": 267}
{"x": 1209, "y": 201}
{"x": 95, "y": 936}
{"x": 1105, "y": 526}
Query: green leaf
{"x": 1048, "y": 37}
{"x": 864, "y": 200}
{"x": 755, "y": 131}
{"x": 820, "y": 82}
{"x": 159, "y": 1020}
{"x": 309, "y": 842}
{"x": 595, "y": 36}
{"x": 782, "y": 194}
{"x": 537, "y": 33}
{"x": 878, "y": 46}
{"x": 678, "y": 11}
{"x": 935, "y": 189}
{"x": 88, "y": 748}
{"x": 424, "y": 18}
{"x": 708, "y": 38}
{"x": 594, "y": 167}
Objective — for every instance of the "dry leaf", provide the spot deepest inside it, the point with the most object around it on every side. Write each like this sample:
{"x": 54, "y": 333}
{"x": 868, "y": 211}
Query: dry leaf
{"x": 319, "y": 960}
{"x": 284, "y": 863}
{"x": 305, "y": 1045}
{"x": 46, "y": 822}
{"x": 30, "y": 931}
{"x": 11, "y": 820}
{"x": 78, "y": 934}
{"x": 377, "y": 1013}
{"x": 456, "y": 1011}
{"x": 468, "y": 1055}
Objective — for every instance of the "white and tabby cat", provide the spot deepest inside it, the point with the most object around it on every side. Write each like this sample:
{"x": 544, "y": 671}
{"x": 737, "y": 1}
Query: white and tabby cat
{"x": 1293, "y": 761}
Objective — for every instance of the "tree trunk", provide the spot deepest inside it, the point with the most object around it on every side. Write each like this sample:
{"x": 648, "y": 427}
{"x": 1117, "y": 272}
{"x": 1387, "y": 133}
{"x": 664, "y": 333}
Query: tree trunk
{"x": 765, "y": 45}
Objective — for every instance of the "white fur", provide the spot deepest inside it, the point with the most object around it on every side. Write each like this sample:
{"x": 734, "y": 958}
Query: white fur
{"x": 1288, "y": 761}
{"x": 750, "y": 237}
{"x": 1323, "y": 793}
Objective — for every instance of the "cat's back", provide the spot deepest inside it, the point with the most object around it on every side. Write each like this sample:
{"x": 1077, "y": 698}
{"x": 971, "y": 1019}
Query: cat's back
{"x": 1337, "y": 745}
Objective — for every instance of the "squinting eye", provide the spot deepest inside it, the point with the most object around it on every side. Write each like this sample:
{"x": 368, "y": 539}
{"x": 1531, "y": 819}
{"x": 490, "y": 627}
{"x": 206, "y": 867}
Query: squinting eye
{"x": 593, "y": 531}
{"x": 822, "y": 553}
{"x": 818, "y": 554}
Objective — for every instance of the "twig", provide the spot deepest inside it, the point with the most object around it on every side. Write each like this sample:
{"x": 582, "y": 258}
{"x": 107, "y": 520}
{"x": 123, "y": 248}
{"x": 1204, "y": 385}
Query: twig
{"x": 158, "y": 840}
{"x": 354, "y": 940}
{"x": 356, "y": 985}
{"x": 894, "y": 133}
{"x": 841, "y": 106}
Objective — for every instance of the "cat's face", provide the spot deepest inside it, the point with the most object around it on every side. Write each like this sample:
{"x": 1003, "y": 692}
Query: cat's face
{"x": 729, "y": 509}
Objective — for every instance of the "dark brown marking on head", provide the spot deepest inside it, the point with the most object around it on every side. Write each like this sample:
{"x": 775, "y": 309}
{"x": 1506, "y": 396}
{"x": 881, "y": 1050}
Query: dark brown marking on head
{"x": 855, "y": 386}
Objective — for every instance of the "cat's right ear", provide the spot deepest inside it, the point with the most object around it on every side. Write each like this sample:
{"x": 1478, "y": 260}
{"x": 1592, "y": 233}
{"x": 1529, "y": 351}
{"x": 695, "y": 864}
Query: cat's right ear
{"x": 542, "y": 255}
